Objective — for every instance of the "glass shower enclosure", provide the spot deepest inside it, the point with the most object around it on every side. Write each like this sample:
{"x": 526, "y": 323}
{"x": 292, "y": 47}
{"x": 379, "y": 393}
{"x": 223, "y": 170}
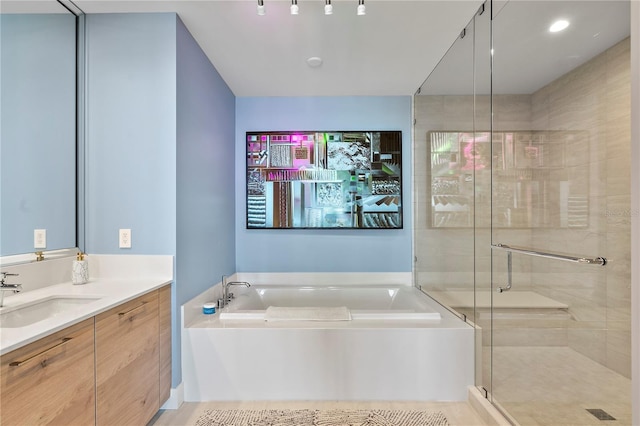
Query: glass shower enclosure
{"x": 522, "y": 200}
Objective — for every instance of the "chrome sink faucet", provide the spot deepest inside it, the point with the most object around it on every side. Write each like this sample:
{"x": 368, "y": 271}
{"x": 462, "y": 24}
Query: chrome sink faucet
{"x": 226, "y": 296}
{"x": 16, "y": 288}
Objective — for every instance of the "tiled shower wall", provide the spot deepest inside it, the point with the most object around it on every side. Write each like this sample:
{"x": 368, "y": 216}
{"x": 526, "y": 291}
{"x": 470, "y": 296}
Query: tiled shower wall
{"x": 593, "y": 99}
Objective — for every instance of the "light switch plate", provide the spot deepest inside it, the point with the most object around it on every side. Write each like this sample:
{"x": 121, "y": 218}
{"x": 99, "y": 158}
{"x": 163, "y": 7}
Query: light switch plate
{"x": 39, "y": 238}
{"x": 125, "y": 238}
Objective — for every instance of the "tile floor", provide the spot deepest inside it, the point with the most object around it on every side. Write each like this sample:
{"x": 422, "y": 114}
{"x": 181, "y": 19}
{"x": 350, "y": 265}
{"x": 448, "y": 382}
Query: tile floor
{"x": 556, "y": 385}
{"x": 457, "y": 413}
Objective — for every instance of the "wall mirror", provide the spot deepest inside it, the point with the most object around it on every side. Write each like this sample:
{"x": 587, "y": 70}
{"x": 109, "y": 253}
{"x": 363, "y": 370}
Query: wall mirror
{"x": 39, "y": 126}
{"x": 324, "y": 179}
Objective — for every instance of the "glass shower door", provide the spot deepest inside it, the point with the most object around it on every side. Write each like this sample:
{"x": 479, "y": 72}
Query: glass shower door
{"x": 560, "y": 197}
{"x": 452, "y": 227}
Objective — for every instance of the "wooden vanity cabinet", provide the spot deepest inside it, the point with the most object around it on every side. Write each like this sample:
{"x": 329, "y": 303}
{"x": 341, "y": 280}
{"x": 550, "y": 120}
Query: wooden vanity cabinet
{"x": 50, "y": 381}
{"x": 127, "y": 362}
{"x": 164, "y": 301}
{"x": 111, "y": 369}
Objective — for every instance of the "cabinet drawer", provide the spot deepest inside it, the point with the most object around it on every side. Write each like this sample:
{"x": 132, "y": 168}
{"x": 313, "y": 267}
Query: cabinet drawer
{"x": 51, "y": 381}
{"x": 127, "y": 362}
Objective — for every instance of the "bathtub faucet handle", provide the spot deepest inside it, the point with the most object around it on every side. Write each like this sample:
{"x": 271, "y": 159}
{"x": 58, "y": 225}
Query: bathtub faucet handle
{"x": 227, "y": 296}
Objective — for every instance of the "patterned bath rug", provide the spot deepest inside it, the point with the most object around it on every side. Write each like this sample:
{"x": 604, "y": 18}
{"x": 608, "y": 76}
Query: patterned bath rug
{"x": 321, "y": 418}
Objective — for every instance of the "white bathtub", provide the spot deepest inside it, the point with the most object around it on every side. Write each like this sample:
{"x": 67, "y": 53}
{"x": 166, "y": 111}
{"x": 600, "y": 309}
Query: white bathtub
{"x": 398, "y": 345}
{"x": 363, "y": 302}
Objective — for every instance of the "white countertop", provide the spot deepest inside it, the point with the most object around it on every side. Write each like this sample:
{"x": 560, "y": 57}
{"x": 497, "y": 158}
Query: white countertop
{"x": 151, "y": 273}
{"x": 111, "y": 293}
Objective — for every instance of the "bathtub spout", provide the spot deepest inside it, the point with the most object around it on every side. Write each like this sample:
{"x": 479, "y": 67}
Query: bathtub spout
{"x": 226, "y": 296}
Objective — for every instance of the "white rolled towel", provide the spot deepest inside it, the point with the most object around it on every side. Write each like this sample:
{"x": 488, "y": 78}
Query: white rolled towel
{"x": 281, "y": 313}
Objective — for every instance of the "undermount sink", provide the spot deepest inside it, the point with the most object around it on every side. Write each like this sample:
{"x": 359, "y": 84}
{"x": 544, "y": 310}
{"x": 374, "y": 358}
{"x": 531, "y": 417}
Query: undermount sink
{"x": 40, "y": 310}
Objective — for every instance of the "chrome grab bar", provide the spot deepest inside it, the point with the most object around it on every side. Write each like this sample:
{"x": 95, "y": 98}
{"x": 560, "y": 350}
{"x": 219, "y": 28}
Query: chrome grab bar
{"x": 583, "y": 260}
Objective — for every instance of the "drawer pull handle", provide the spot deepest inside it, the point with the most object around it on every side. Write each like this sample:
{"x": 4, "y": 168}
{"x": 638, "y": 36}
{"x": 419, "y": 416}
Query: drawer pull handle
{"x": 31, "y": 358}
{"x": 131, "y": 310}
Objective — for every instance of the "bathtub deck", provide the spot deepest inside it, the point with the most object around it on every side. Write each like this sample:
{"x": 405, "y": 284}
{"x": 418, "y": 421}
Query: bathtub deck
{"x": 373, "y": 360}
{"x": 447, "y": 321}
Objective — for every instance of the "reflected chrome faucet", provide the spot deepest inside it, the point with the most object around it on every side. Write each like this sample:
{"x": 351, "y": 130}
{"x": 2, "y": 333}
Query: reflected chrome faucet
{"x": 226, "y": 296}
{"x": 16, "y": 288}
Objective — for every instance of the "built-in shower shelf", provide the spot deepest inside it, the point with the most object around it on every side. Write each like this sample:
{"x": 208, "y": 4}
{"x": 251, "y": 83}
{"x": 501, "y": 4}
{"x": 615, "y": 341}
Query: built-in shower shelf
{"x": 507, "y": 300}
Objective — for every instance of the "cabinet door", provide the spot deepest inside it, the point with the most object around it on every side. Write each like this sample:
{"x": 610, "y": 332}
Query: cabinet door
{"x": 51, "y": 381}
{"x": 127, "y": 362}
{"x": 164, "y": 300}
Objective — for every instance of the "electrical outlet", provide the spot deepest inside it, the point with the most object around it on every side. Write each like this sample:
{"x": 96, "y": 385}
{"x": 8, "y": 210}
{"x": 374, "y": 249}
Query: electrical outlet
{"x": 39, "y": 238}
{"x": 125, "y": 238}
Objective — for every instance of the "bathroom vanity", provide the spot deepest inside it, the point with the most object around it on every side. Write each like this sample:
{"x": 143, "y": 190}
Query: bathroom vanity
{"x": 104, "y": 360}
{"x": 128, "y": 359}
{"x": 51, "y": 380}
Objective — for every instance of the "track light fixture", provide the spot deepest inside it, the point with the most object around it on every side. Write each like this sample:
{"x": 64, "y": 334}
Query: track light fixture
{"x": 328, "y": 8}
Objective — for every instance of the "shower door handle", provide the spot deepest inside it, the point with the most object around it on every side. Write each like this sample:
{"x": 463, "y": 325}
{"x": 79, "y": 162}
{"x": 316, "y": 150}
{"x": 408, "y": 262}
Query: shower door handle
{"x": 602, "y": 261}
{"x": 509, "y": 278}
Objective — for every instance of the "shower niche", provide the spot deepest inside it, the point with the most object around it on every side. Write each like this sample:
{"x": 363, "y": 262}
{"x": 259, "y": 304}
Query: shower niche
{"x": 540, "y": 179}
{"x": 321, "y": 179}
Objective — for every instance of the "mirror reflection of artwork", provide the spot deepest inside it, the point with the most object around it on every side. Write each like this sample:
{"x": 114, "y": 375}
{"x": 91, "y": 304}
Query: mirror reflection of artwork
{"x": 478, "y": 154}
{"x": 529, "y": 174}
{"x": 317, "y": 179}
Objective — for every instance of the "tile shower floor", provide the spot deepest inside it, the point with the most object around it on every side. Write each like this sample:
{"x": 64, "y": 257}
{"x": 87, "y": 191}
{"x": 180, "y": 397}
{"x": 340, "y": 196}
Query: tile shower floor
{"x": 556, "y": 385}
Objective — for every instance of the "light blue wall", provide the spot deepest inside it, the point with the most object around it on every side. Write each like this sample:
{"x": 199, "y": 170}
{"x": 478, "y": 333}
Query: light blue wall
{"x": 131, "y": 133}
{"x": 160, "y": 133}
{"x": 205, "y": 199}
{"x": 315, "y": 250}
{"x": 205, "y": 195}
{"x": 38, "y": 132}
{"x": 131, "y": 140}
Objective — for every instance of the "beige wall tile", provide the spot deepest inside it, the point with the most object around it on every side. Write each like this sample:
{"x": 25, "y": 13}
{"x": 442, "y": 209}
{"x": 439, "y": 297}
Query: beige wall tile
{"x": 592, "y": 100}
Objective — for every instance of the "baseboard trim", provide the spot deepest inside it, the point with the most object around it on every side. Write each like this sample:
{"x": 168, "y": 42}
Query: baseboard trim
{"x": 489, "y": 414}
{"x": 176, "y": 398}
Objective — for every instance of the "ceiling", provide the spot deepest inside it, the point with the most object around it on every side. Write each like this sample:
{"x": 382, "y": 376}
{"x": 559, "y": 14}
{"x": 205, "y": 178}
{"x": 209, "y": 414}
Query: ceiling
{"x": 389, "y": 51}
{"x": 526, "y": 55}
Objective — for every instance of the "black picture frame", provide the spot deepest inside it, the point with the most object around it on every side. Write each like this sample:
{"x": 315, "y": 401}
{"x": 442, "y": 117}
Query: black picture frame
{"x": 324, "y": 179}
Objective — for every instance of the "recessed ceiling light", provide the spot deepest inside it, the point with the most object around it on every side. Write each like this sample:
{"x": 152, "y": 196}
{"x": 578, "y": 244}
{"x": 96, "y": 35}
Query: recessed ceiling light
{"x": 314, "y": 62}
{"x": 559, "y": 25}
